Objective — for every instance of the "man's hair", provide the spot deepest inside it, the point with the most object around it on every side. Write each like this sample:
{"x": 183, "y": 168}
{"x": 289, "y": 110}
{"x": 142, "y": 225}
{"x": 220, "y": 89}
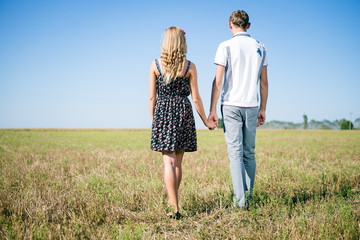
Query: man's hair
{"x": 239, "y": 19}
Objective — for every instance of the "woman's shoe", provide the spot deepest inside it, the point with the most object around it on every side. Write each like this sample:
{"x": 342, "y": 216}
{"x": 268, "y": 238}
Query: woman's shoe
{"x": 169, "y": 213}
{"x": 177, "y": 215}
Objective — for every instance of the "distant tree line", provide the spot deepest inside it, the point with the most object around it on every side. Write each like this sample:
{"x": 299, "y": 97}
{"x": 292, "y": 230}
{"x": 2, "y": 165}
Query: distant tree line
{"x": 341, "y": 124}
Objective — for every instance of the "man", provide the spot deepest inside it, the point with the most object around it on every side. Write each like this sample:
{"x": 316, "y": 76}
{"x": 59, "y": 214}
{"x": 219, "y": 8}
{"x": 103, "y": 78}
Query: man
{"x": 242, "y": 61}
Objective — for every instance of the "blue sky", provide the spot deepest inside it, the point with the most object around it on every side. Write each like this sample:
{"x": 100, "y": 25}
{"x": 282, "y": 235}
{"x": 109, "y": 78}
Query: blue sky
{"x": 85, "y": 64}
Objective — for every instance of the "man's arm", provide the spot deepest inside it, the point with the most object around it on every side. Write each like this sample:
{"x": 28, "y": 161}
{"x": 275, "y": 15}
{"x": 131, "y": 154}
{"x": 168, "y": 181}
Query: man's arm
{"x": 263, "y": 95}
{"x": 215, "y": 93}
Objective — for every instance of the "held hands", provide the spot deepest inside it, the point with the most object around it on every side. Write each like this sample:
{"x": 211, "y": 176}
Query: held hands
{"x": 211, "y": 125}
{"x": 261, "y": 118}
{"x": 212, "y": 121}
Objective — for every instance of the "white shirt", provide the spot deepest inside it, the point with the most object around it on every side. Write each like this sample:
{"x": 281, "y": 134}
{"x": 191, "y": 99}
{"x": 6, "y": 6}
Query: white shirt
{"x": 243, "y": 58}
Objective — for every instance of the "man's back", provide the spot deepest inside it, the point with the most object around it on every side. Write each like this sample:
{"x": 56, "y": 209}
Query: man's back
{"x": 243, "y": 58}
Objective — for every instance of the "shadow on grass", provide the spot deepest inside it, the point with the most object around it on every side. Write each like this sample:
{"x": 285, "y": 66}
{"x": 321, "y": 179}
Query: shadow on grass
{"x": 303, "y": 195}
{"x": 195, "y": 203}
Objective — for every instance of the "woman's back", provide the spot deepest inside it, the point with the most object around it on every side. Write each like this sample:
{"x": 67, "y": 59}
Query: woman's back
{"x": 179, "y": 86}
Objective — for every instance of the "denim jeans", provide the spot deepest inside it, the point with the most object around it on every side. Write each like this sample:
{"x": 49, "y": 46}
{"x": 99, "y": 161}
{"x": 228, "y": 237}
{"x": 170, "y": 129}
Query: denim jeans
{"x": 240, "y": 130}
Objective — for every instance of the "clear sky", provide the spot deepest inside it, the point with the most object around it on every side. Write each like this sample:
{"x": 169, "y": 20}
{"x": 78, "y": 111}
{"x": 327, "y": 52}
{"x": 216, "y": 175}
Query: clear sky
{"x": 85, "y": 64}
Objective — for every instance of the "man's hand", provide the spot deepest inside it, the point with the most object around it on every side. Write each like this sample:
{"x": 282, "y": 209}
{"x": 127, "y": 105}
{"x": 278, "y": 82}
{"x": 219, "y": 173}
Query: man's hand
{"x": 211, "y": 125}
{"x": 213, "y": 118}
{"x": 261, "y": 118}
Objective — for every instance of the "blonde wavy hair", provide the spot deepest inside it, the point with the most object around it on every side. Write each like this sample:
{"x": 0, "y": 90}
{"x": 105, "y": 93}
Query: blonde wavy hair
{"x": 173, "y": 53}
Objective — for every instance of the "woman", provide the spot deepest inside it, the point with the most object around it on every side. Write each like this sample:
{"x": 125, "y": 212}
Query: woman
{"x": 172, "y": 79}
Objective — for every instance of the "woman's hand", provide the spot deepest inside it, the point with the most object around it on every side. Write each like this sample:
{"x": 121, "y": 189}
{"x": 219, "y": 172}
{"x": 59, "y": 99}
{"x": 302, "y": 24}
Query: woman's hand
{"x": 211, "y": 124}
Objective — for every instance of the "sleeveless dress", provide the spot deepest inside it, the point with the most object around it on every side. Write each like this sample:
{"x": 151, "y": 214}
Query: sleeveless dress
{"x": 173, "y": 126}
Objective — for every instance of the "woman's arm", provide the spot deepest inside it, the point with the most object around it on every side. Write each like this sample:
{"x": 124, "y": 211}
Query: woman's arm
{"x": 196, "y": 97}
{"x": 152, "y": 90}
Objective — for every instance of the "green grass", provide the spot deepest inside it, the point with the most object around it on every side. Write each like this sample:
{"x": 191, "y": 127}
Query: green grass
{"x": 108, "y": 184}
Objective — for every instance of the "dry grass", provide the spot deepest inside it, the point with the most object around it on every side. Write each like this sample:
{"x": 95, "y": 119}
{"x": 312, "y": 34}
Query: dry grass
{"x": 107, "y": 184}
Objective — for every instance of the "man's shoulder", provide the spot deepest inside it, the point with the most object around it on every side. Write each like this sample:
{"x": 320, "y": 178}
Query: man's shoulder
{"x": 234, "y": 41}
{"x": 258, "y": 42}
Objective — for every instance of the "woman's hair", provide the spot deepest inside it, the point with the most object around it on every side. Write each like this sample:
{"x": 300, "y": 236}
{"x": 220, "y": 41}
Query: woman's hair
{"x": 173, "y": 53}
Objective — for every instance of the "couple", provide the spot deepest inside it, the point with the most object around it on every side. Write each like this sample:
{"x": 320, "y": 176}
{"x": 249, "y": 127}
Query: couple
{"x": 242, "y": 62}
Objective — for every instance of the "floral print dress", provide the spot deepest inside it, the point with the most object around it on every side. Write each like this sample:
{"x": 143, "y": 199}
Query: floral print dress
{"x": 173, "y": 126}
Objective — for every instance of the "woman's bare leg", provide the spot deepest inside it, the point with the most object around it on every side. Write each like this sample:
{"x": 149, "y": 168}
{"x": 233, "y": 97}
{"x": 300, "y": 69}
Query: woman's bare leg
{"x": 179, "y": 157}
{"x": 170, "y": 177}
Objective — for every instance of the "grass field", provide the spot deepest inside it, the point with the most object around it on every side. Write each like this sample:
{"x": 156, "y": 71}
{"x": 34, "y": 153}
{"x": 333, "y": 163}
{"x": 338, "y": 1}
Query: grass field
{"x": 107, "y": 184}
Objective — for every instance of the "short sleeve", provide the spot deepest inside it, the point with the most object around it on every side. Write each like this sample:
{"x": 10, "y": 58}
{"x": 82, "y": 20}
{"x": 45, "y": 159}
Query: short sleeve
{"x": 265, "y": 56}
{"x": 220, "y": 57}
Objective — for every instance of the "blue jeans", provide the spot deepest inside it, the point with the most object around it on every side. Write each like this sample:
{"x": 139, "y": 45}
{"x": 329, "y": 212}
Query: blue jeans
{"x": 240, "y": 130}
